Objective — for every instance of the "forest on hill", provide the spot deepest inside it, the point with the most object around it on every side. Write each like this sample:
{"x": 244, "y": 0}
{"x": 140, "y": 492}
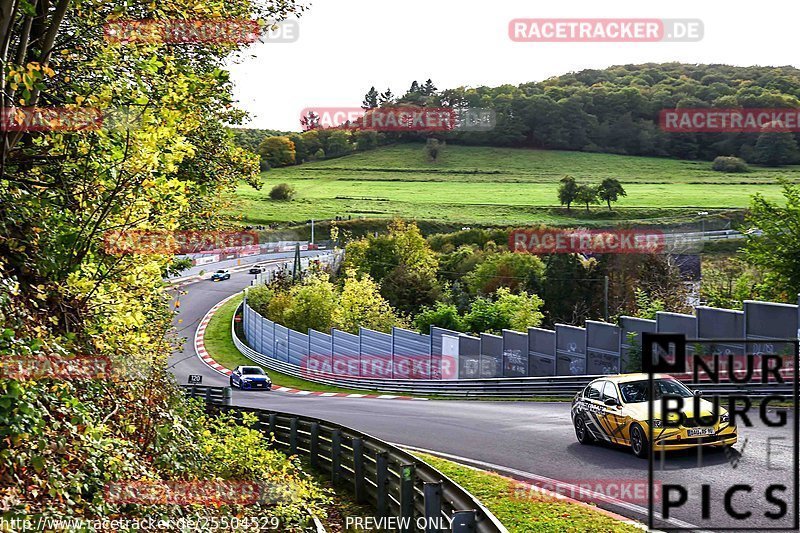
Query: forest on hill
{"x": 613, "y": 110}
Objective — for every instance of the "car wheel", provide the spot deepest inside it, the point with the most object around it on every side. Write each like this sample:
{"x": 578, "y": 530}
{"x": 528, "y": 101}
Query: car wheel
{"x": 639, "y": 445}
{"x": 582, "y": 432}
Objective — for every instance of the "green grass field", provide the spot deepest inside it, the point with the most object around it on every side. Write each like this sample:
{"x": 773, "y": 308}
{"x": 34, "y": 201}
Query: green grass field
{"x": 500, "y": 186}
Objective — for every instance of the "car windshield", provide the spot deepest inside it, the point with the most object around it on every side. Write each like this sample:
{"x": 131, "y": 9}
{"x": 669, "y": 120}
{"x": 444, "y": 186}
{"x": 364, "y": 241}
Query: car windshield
{"x": 637, "y": 391}
{"x": 220, "y": 271}
{"x": 250, "y": 371}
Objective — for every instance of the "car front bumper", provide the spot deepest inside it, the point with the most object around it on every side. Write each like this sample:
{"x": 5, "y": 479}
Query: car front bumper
{"x": 260, "y": 385}
{"x": 682, "y": 441}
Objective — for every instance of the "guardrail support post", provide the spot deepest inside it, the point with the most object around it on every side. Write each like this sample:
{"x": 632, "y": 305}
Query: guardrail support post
{"x": 336, "y": 454}
{"x": 407, "y": 474}
{"x": 433, "y": 506}
{"x": 313, "y": 448}
{"x": 358, "y": 470}
{"x": 464, "y": 522}
{"x": 273, "y": 422}
{"x": 227, "y": 392}
{"x": 193, "y": 392}
{"x": 382, "y": 483}
{"x": 293, "y": 436}
{"x": 208, "y": 395}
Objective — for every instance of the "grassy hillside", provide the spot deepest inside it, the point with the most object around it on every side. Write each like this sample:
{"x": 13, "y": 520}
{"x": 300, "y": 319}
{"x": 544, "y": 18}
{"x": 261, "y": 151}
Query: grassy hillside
{"x": 500, "y": 185}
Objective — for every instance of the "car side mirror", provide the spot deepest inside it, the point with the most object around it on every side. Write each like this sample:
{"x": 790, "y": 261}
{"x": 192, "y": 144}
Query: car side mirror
{"x": 698, "y": 393}
{"x": 611, "y": 402}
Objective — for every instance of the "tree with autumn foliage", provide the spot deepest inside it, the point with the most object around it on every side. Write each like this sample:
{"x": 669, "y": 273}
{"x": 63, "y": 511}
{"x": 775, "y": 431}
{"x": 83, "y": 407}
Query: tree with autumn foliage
{"x": 157, "y": 159}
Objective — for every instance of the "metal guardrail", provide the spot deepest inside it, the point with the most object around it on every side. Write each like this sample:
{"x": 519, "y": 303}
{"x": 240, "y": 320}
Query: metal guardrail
{"x": 391, "y": 480}
{"x": 527, "y": 387}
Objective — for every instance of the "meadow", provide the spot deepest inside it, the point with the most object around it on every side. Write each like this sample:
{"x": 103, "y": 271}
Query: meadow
{"x": 489, "y": 186}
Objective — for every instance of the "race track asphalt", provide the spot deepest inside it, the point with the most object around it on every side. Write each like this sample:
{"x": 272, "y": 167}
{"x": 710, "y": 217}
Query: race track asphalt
{"x": 534, "y": 441}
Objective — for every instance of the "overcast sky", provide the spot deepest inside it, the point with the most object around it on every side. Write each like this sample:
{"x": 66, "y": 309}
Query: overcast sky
{"x": 345, "y": 46}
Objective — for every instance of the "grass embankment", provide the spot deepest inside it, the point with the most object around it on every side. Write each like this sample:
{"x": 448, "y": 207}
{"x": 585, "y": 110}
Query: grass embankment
{"x": 484, "y": 185}
{"x": 523, "y": 511}
{"x": 221, "y": 348}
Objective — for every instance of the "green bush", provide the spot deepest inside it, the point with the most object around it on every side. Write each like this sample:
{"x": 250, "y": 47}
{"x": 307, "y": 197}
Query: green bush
{"x": 282, "y": 191}
{"x": 441, "y": 315}
{"x": 730, "y": 164}
{"x": 516, "y": 271}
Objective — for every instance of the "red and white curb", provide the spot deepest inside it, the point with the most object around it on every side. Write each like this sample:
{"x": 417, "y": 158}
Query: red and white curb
{"x": 202, "y": 353}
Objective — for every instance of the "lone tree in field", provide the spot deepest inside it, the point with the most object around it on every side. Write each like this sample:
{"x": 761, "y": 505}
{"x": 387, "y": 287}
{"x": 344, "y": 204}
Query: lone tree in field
{"x": 610, "y": 190}
{"x": 567, "y": 191}
{"x": 586, "y": 194}
{"x": 433, "y": 147}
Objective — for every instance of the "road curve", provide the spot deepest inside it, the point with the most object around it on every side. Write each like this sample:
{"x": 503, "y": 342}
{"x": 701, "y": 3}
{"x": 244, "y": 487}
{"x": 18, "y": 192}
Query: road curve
{"x": 527, "y": 440}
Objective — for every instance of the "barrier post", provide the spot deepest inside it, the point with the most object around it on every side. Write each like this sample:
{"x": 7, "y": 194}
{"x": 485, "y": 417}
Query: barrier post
{"x": 293, "y": 436}
{"x": 273, "y": 422}
{"x": 464, "y": 522}
{"x": 358, "y": 470}
{"x": 407, "y": 474}
{"x": 336, "y": 455}
{"x": 382, "y": 483}
{"x": 433, "y": 506}
{"x": 313, "y": 449}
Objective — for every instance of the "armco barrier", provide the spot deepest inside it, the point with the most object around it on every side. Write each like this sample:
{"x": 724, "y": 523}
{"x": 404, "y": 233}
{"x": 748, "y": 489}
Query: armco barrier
{"x": 547, "y": 386}
{"x": 389, "y": 479}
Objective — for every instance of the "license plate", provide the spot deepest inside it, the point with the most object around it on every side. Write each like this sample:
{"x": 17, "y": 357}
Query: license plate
{"x": 699, "y": 432}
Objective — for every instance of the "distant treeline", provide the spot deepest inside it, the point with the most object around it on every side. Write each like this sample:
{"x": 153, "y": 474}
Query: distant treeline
{"x": 616, "y": 110}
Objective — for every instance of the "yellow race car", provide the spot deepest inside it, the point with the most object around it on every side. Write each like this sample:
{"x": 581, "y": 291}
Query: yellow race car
{"x": 615, "y": 409}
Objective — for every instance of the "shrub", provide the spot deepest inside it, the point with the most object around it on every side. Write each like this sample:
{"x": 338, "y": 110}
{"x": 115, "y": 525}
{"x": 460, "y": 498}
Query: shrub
{"x": 282, "y": 191}
{"x": 508, "y": 311}
{"x": 513, "y": 270}
{"x": 729, "y": 164}
{"x": 442, "y": 315}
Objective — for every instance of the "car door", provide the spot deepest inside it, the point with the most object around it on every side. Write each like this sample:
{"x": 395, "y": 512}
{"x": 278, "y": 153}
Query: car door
{"x": 614, "y": 421}
{"x": 593, "y": 409}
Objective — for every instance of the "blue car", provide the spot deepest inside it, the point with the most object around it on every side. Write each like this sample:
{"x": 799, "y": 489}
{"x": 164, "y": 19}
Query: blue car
{"x": 250, "y": 377}
{"x": 220, "y": 275}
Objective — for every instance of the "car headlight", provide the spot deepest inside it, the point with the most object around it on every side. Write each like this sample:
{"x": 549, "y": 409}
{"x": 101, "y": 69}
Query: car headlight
{"x": 656, "y": 423}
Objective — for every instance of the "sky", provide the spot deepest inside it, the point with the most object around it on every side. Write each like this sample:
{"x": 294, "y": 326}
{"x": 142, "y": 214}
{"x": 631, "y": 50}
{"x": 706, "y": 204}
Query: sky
{"x": 345, "y": 46}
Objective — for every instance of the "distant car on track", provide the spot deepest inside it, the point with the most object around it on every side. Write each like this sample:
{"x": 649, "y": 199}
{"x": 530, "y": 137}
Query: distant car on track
{"x": 615, "y": 409}
{"x": 250, "y": 377}
{"x": 221, "y": 275}
{"x": 257, "y": 269}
